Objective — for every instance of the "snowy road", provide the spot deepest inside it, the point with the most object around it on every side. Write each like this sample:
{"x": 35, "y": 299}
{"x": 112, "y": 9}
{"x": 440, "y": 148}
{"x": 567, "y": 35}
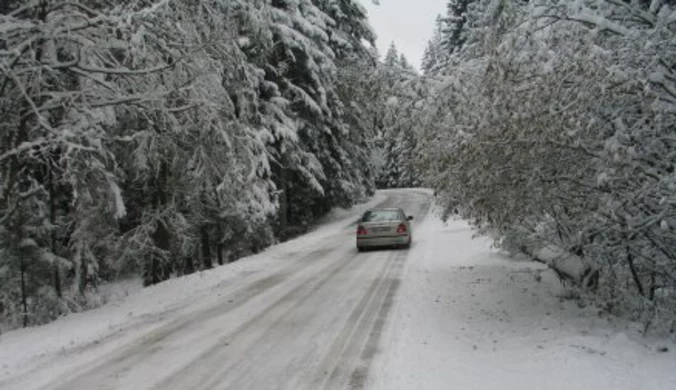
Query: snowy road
{"x": 313, "y": 323}
{"x": 313, "y": 313}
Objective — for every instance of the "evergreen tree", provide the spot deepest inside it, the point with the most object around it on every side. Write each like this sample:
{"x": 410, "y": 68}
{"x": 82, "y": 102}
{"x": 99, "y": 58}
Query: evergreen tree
{"x": 403, "y": 62}
{"x": 355, "y": 87}
{"x": 392, "y": 57}
{"x": 434, "y": 57}
{"x": 304, "y": 75}
{"x": 397, "y": 137}
{"x": 126, "y": 149}
{"x": 453, "y": 30}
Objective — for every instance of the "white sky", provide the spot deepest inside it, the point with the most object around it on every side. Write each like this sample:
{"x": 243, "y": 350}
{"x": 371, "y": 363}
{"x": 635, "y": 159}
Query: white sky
{"x": 409, "y": 23}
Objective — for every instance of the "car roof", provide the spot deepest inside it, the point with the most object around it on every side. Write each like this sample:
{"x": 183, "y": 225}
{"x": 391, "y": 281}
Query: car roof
{"x": 385, "y": 209}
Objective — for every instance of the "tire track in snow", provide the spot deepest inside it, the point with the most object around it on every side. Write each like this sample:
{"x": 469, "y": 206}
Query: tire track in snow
{"x": 272, "y": 316}
{"x": 348, "y": 362}
{"x": 126, "y": 357}
{"x": 335, "y": 370}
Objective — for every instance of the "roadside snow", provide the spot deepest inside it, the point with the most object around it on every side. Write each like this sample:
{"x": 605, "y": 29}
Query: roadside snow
{"x": 469, "y": 317}
{"x": 133, "y": 311}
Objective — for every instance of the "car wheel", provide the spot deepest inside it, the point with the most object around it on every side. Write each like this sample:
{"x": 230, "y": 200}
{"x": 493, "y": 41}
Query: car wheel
{"x": 360, "y": 249}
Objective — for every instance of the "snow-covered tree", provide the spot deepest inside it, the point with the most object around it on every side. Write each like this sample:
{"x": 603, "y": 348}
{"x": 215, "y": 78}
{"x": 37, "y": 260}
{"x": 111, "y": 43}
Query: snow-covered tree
{"x": 459, "y": 35}
{"x": 392, "y": 58}
{"x": 433, "y": 56}
{"x": 403, "y": 62}
{"x": 315, "y": 149}
{"x": 159, "y": 137}
{"x": 550, "y": 131}
{"x": 400, "y": 97}
{"x": 454, "y": 25}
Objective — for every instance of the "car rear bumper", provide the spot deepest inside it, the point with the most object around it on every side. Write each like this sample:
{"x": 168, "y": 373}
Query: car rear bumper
{"x": 370, "y": 242}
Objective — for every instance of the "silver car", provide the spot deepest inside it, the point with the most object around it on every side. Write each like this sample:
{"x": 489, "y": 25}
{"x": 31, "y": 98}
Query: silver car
{"x": 384, "y": 227}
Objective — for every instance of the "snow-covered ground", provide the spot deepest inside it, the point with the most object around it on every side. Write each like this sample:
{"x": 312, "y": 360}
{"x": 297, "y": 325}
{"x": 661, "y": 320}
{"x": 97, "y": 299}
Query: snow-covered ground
{"x": 469, "y": 317}
{"x": 312, "y": 313}
{"x": 125, "y": 318}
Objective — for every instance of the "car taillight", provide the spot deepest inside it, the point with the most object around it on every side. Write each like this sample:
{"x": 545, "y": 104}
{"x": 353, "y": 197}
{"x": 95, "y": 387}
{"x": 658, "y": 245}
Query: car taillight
{"x": 401, "y": 228}
{"x": 361, "y": 230}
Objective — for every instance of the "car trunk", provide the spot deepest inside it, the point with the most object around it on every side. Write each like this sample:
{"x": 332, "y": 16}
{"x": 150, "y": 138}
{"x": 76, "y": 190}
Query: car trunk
{"x": 381, "y": 229}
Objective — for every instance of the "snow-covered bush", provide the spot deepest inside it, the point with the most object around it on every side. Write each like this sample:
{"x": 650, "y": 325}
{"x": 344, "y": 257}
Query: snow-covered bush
{"x": 557, "y": 132}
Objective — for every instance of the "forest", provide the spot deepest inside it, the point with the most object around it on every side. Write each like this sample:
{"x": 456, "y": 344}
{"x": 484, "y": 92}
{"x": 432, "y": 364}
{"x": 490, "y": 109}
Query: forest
{"x": 157, "y": 138}
{"x": 550, "y": 125}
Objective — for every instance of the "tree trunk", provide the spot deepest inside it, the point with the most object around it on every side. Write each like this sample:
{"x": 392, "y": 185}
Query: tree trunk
{"x": 219, "y": 254}
{"x": 24, "y": 298}
{"x": 219, "y": 230}
{"x": 188, "y": 265}
{"x": 157, "y": 270}
{"x": 219, "y": 245}
{"x": 653, "y": 286}
{"x": 52, "y": 235}
{"x": 284, "y": 196}
{"x": 632, "y": 267}
{"x": 57, "y": 281}
{"x": 207, "y": 261}
{"x": 82, "y": 275}
{"x": 149, "y": 270}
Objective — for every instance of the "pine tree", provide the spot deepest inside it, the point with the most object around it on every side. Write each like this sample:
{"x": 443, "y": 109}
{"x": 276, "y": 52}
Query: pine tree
{"x": 403, "y": 63}
{"x": 350, "y": 31}
{"x": 434, "y": 57}
{"x": 455, "y": 22}
{"x": 429, "y": 58}
{"x": 303, "y": 66}
{"x": 397, "y": 144}
{"x": 356, "y": 66}
{"x": 392, "y": 57}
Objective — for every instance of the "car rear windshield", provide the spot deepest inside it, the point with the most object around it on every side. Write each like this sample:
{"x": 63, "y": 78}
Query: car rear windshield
{"x": 380, "y": 216}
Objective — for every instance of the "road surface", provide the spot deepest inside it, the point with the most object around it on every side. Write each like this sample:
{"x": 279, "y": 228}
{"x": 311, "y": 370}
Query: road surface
{"x": 314, "y": 323}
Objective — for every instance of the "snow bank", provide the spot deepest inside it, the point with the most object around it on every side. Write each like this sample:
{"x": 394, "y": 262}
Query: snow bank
{"x": 561, "y": 260}
{"x": 468, "y": 316}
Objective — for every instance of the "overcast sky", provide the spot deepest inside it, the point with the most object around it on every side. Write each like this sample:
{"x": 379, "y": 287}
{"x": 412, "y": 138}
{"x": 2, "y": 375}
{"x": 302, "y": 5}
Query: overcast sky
{"x": 409, "y": 23}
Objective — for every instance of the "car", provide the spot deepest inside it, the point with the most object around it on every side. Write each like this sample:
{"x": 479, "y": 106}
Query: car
{"x": 383, "y": 227}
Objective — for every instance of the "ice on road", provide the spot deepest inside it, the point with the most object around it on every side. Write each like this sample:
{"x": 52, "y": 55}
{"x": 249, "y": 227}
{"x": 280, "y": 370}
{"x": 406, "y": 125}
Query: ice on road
{"x": 313, "y": 313}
